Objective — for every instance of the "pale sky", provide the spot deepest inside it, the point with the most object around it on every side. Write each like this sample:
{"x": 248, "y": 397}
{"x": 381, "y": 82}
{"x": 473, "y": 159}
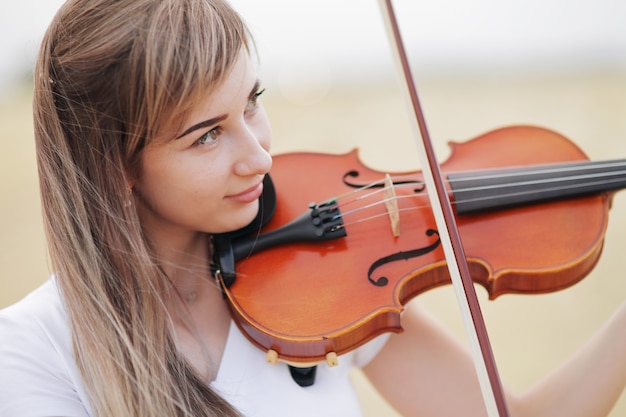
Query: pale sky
{"x": 339, "y": 38}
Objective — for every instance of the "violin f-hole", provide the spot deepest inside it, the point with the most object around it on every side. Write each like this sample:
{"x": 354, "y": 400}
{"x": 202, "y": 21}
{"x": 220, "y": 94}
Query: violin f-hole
{"x": 400, "y": 256}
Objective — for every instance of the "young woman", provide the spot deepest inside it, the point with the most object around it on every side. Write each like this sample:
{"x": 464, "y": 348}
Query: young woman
{"x": 151, "y": 138}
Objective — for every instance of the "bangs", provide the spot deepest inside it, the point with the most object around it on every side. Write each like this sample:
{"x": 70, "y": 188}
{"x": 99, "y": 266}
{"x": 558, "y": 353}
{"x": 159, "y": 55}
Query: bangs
{"x": 190, "y": 49}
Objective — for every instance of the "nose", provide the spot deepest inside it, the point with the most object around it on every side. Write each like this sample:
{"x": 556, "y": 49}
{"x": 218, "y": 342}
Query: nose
{"x": 253, "y": 149}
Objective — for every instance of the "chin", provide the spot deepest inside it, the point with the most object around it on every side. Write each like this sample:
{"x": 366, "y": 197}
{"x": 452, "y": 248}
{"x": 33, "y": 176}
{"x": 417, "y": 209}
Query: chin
{"x": 239, "y": 219}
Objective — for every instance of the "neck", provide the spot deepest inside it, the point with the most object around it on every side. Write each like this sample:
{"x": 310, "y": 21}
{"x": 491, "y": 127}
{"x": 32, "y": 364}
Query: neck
{"x": 499, "y": 188}
{"x": 186, "y": 262}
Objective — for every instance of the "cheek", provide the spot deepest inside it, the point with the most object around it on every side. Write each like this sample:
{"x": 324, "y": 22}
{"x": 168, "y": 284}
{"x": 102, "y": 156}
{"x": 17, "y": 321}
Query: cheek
{"x": 159, "y": 170}
{"x": 177, "y": 190}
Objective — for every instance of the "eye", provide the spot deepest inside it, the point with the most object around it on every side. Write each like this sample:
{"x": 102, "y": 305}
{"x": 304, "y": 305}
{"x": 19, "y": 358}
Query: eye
{"x": 253, "y": 102}
{"x": 210, "y": 136}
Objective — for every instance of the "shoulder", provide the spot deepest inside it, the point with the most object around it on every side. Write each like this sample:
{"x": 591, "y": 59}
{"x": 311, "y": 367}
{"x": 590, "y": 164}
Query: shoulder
{"x": 38, "y": 375}
{"x": 35, "y": 322}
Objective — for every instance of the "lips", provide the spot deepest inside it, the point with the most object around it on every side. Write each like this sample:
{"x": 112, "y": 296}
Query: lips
{"x": 249, "y": 195}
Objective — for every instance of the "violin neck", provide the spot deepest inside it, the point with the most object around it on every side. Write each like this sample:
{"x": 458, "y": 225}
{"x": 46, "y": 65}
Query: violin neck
{"x": 492, "y": 189}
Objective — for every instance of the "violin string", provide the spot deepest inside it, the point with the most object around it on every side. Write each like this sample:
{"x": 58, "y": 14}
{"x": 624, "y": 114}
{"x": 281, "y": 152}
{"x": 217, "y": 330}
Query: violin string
{"x": 545, "y": 181}
{"x": 550, "y": 169}
{"x": 500, "y": 174}
{"x": 367, "y": 206}
{"x": 376, "y": 216}
{"x": 528, "y": 192}
{"x": 380, "y": 202}
{"x": 360, "y": 189}
{"x": 371, "y": 193}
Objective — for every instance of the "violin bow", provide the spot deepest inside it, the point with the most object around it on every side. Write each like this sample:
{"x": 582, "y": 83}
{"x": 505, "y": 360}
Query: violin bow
{"x": 482, "y": 354}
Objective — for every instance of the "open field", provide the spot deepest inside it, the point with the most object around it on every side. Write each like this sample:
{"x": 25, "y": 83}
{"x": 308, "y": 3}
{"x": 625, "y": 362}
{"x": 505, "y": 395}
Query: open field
{"x": 530, "y": 334}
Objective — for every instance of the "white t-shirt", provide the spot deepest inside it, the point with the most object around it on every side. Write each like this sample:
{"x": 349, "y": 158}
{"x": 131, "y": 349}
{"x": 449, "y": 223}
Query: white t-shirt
{"x": 39, "y": 378}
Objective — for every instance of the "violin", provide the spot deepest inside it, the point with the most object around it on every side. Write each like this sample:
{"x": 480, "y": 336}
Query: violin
{"x": 307, "y": 282}
{"x": 353, "y": 275}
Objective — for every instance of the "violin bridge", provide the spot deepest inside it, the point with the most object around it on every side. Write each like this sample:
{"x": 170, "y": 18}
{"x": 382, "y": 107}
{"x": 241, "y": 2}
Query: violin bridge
{"x": 391, "y": 203}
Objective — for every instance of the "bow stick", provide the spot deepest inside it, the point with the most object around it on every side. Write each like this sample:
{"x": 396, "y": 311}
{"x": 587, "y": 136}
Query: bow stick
{"x": 482, "y": 354}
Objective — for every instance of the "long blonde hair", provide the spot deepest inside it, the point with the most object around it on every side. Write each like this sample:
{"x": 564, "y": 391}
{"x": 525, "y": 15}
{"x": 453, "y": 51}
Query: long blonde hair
{"x": 109, "y": 73}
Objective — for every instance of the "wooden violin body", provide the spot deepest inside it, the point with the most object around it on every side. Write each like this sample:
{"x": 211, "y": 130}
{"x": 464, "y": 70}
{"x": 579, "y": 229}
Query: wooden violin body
{"x": 303, "y": 301}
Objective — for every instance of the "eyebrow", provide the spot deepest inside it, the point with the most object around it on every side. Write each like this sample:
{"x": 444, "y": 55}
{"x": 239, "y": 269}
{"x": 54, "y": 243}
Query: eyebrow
{"x": 200, "y": 125}
{"x": 217, "y": 119}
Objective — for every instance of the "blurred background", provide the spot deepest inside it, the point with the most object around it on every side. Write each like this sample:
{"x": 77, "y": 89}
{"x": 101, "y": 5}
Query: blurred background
{"x": 332, "y": 86}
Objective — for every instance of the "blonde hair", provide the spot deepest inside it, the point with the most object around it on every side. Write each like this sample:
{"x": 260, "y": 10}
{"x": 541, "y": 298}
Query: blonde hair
{"x": 109, "y": 74}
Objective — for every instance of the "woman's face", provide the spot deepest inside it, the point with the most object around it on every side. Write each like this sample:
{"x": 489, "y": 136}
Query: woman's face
{"x": 207, "y": 176}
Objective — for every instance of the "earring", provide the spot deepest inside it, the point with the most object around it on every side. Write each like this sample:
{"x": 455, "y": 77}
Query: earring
{"x": 129, "y": 197}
